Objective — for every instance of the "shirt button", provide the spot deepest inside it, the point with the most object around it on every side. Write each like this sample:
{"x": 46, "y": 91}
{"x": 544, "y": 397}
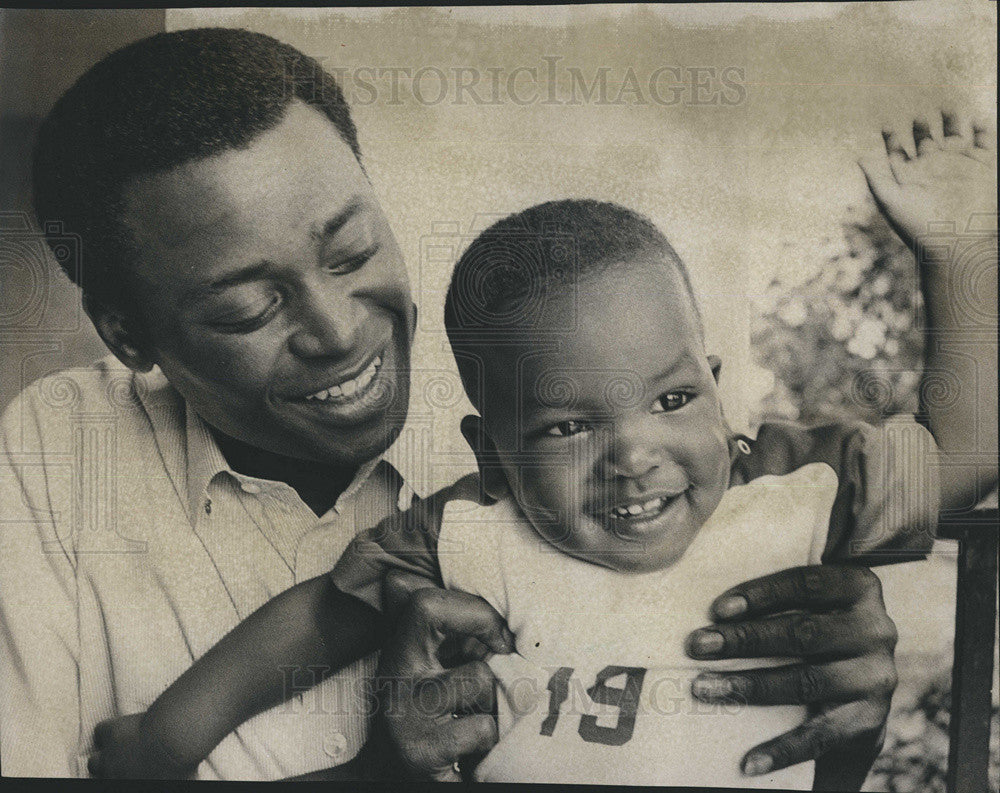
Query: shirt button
{"x": 335, "y": 745}
{"x": 250, "y": 487}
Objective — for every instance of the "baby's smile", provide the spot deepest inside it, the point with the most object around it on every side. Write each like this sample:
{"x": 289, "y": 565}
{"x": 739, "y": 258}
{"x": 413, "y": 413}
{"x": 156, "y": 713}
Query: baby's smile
{"x": 625, "y": 484}
{"x": 643, "y": 509}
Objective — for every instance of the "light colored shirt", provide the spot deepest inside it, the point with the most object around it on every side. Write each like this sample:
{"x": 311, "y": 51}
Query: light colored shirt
{"x": 598, "y": 689}
{"x": 128, "y": 547}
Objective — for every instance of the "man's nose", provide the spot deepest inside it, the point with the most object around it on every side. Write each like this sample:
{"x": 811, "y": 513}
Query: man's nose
{"x": 328, "y": 324}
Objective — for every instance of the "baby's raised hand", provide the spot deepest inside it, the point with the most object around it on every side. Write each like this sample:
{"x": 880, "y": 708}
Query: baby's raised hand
{"x": 932, "y": 171}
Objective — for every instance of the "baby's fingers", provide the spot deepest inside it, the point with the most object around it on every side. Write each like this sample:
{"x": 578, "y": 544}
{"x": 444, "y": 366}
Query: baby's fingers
{"x": 881, "y": 180}
{"x": 109, "y": 764}
{"x": 111, "y": 732}
{"x": 984, "y": 138}
{"x": 928, "y": 132}
{"x": 95, "y": 765}
{"x": 899, "y": 140}
{"x": 957, "y": 128}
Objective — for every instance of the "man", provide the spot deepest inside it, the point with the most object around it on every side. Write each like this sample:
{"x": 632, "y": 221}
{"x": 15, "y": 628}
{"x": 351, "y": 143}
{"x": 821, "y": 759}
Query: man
{"x": 237, "y": 263}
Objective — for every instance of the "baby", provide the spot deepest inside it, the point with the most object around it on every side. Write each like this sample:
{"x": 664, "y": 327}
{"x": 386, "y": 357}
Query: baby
{"x": 613, "y": 500}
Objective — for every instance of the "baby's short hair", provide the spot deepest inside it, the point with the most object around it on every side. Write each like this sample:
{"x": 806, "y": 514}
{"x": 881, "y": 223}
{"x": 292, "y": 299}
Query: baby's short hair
{"x": 503, "y": 280}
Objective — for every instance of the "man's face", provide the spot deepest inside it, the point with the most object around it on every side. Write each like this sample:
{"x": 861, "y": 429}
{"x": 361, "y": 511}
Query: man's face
{"x": 273, "y": 294}
{"x": 623, "y": 447}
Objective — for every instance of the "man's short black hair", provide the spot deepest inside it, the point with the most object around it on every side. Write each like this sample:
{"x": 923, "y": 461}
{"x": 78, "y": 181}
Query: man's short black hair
{"x": 156, "y": 104}
{"x": 505, "y": 277}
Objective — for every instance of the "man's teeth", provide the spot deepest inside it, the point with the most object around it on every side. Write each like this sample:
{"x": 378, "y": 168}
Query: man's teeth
{"x": 646, "y": 508}
{"x": 350, "y": 387}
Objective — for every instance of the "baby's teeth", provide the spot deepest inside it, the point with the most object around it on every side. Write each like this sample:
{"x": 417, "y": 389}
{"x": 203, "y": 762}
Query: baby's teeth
{"x": 349, "y": 387}
{"x": 651, "y": 505}
{"x": 634, "y": 509}
{"x": 336, "y": 391}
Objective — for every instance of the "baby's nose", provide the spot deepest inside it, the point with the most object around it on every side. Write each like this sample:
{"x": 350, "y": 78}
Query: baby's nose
{"x": 633, "y": 458}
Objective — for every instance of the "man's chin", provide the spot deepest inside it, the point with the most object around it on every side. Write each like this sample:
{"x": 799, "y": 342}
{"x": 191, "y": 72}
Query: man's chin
{"x": 353, "y": 447}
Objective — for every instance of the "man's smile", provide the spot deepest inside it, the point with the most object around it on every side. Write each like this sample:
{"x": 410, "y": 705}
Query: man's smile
{"x": 351, "y": 388}
{"x": 350, "y": 397}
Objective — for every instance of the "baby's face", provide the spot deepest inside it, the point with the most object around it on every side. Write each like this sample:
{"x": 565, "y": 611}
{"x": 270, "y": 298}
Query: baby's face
{"x": 620, "y": 451}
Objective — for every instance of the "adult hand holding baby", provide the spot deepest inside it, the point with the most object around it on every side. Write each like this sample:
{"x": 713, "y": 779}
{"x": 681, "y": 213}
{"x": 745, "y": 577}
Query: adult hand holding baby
{"x": 834, "y": 619}
{"x": 436, "y": 715}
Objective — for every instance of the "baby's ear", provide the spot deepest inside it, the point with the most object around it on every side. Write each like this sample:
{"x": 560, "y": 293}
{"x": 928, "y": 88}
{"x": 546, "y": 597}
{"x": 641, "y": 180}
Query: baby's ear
{"x": 490, "y": 472}
{"x": 715, "y": 363}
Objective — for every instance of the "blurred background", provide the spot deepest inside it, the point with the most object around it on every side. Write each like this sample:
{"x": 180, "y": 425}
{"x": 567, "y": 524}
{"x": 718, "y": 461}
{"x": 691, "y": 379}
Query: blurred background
{"x": 734, "y": 127}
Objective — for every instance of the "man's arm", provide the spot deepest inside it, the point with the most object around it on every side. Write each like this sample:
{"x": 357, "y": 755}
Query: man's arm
{"x": 39, "y": 645}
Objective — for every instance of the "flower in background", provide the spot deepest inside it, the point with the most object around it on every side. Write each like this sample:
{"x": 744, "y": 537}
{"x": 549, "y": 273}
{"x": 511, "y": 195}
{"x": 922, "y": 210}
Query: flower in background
{"x": 845, "y": 343}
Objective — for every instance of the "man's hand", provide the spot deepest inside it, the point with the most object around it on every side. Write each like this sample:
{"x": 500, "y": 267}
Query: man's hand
{"x": 941, "y": 168}
{"x": 123, "y": 753}
{"x": 436, "y": 693}
{"x": 833, "y": 618}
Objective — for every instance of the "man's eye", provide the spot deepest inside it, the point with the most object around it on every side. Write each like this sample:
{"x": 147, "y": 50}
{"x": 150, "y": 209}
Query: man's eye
{"x": 672, "y": 400}
{"x": 245, "y": 324}
{"x": 352, "y": 263}
{"x": 566, "y": 428}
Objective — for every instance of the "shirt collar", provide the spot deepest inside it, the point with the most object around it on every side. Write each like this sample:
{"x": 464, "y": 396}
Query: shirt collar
{"x": 206, "y": 461}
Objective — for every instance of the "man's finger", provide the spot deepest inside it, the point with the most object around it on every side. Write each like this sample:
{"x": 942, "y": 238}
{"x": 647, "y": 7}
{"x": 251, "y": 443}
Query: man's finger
{"x": 798, "y": 634}
{"x": 815, "y": 737}
{"x": 467, "y": 688}
{"x": 468, "y": 735}
{"x": 797, "y": 684}
{"x": 436, "y": 613}
{"x": 812, "y": 586}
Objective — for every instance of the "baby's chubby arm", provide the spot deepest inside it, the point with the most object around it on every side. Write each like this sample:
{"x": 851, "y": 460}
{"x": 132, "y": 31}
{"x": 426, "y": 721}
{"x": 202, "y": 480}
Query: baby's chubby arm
{"x": 312, "y": 627}
{"x": 938, "y": 174}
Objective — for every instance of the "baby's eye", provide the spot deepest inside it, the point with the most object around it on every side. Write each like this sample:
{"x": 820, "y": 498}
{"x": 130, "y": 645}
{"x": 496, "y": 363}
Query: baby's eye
{"x": 566, "y": 428}
{"x": 672, "y": 400}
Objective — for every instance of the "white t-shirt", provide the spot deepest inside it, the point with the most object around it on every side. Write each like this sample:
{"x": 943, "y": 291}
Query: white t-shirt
{"x": 598, "y": 690}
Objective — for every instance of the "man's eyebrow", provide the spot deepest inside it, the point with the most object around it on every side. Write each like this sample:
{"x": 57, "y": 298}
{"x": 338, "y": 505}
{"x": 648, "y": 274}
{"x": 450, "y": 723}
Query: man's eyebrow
{"x": 338, "y": 221}
{"x": 251, "y": 273}
{"x": 260, "y": 269}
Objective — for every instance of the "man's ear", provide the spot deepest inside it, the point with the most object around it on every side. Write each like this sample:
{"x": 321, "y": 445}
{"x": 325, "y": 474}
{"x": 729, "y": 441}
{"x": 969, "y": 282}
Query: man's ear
{"x": 113, "y": 328}
{"x": 490, "y": 472}
{"x": 715, "y": 363}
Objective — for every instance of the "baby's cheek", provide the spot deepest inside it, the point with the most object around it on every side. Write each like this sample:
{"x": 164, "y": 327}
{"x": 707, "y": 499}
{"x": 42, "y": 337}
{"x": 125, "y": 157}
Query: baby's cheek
{"x": 708, "y": 455}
